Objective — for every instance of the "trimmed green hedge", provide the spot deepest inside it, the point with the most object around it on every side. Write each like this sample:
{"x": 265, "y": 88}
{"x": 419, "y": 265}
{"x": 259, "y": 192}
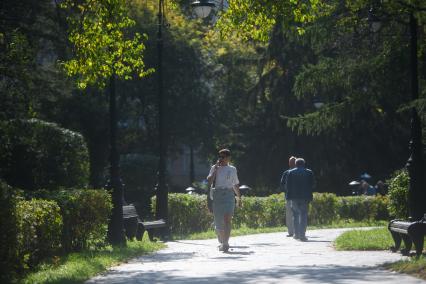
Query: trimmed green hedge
{"x": 85, "y": 213}
{"x": 188, "y": 213}
{"x": 39, "y": 230}
{"x": 35, "y": 154}
{"x": 8, "y": 232}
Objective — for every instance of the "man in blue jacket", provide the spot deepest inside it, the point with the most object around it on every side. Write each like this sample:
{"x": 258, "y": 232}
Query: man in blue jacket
{"x": 300, "y": 185}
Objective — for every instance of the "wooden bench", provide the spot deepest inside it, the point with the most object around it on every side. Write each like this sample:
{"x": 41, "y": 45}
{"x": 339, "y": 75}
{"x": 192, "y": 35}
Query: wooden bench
{"x": 135, "y": 227}
{"x": 409, "y": 232}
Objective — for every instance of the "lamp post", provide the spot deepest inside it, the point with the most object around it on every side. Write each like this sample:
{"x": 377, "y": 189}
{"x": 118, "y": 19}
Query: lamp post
{"x": 415, "y": 163}
{"x": 116, "y": 227}
{"x": 202, "y": 8}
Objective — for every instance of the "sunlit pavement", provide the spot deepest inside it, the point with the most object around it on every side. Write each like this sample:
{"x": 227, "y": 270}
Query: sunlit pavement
{"x": 263, "y": 258}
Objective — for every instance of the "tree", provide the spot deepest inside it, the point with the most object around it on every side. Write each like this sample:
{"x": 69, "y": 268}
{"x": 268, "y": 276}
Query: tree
{"x": 331, "y": 56}
{"x": 102, "y": 53}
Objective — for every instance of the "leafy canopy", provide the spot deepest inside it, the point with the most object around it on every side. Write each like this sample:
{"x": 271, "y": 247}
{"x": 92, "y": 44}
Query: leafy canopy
{"x": 254, "y": 19}
{"x": 101, "y": 46}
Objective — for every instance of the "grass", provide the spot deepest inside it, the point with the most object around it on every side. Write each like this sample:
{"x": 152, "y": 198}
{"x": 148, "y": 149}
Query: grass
{"x": 250, "y": 231}
{"x": 78, "y": 267}
{"x": 374, "y": 239}
{"x": 413, "y": 266}
{"x": 380, "y": 239}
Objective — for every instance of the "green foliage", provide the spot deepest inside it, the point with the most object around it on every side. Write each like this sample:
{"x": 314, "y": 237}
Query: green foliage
{"x": 8, "y": 233}
{"x": 254, "y": 19}
{"x": 36, "y": 154}
{"x": 85, "y": 215}
{"x": 415, "y": 266}
{"x": 374, "y": 239}
{"x": 363, "y": 208}
{"x": 39, "y": 230}
{"x": 323, "y": 209}
{"x": 188, "y": 212}
{"x": 398, "y": 194}
{"x": 259, "y": 212}
{"x": 97, "y": 29}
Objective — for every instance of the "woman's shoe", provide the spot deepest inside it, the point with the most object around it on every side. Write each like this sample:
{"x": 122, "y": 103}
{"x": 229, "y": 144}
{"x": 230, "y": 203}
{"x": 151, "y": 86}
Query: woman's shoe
{"x": 225, "y": 247}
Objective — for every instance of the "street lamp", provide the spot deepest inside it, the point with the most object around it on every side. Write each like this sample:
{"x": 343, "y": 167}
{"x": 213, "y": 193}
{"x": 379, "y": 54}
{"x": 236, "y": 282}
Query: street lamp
{"x": 202, "y": 8}
{"x": 317, "y": 102}
{"x": 415, "y": 163}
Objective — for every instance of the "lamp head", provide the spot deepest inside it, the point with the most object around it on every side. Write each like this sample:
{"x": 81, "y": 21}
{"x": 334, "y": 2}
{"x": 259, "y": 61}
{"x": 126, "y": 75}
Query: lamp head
{"x": 202, "y": 8}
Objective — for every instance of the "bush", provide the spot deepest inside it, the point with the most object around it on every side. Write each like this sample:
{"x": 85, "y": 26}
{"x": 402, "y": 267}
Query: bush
{"x": 398, "y": 195}
{"x": 85, "y": 213}
{"x": 39, "y": 230}
{"x": 188, "y": 213}
{"x": 360, "y": 208}
{"x": 323, "y": 209}
{"x": 8, "y": 233}
{"x": 261, "y": 211}
{"x": 36, "y": 154}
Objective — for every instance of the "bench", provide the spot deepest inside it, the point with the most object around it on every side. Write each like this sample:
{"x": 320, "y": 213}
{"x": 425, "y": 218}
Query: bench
{"x": 135, "y": 227}
{"x": 409, "y": 232}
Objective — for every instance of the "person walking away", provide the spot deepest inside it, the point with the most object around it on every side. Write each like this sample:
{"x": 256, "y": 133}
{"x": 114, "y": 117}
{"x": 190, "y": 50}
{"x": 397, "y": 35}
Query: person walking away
{"x": 225, "y": 182}
{"x": 300, "y": 184}
{"x": 288, "y": 211}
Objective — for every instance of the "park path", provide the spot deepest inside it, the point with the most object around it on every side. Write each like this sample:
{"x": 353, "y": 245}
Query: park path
{"x": 262, "y": 258}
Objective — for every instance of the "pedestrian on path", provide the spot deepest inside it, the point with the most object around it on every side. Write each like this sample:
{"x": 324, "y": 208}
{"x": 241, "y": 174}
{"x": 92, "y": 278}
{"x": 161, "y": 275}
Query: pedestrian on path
{"x": 300, "y": 184}
{"x": 225, "y": 183}
{"x": 288, "y": 210}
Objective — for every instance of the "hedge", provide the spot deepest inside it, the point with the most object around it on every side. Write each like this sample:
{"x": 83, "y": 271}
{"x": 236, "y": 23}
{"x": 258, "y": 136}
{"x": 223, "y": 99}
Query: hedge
{"x": 188, "y": 213}
{"x": 85, "y": 215}
{"x": 39, "y": 230}
{"x": 36, "y": 154}
{"x": 8, "y": 232}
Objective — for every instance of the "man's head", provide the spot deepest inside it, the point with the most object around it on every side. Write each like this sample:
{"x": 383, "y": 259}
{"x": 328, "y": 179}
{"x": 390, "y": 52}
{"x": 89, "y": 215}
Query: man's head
{"x": 292, "y": 162}
{"x": 300, "y": 162}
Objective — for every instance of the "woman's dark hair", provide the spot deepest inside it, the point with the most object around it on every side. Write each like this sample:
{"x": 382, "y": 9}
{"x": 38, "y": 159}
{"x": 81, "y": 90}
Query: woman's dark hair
{"x": 225, "y": 152}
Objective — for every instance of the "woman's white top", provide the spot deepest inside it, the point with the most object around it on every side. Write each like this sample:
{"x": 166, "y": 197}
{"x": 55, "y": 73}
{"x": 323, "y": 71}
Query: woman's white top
{"x": 226, "y": 176}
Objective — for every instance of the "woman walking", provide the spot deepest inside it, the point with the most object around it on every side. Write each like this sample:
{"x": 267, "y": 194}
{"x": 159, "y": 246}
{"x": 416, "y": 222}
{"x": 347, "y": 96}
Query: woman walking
{"x": 224, "y": 180}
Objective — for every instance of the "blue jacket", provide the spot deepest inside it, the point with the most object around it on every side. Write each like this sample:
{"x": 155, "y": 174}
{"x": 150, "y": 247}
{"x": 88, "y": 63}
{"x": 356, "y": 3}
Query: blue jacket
{"x": 300, "y": 184}
{"x": 284, "y": 180}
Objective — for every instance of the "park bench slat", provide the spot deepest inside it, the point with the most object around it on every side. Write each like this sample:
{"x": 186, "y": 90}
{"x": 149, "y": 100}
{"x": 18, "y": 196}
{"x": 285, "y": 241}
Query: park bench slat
{"x": 409, "y": 232}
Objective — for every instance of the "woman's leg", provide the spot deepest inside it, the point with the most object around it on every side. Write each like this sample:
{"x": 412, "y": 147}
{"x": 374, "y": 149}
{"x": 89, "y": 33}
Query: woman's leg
{"x": 227, "y": 232}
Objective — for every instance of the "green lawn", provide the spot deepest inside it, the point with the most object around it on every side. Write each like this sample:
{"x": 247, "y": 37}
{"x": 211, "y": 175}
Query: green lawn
{"x": 380, "y": 239}
{"x": 78, "y": 267}
{"x": 413, "y": 266}
{"x": 374, "y": 239}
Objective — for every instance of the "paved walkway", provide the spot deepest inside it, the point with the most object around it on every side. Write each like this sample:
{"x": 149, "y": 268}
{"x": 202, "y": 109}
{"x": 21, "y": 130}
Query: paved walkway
{"x": 263, "y": 258}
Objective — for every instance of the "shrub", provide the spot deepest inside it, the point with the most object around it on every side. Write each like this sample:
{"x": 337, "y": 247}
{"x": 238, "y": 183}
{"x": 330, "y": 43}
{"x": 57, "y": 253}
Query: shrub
{"x": 323, "y": 209}
{"x": 188, "y": 213}
{"x": 398, "y": 195}
{"x": 39, "y": 230}
{"x": 85, "y": 213}
{"x": 8, "y": 233}
{"x": 36, "y": 154}
{"x": 363, "y": 207}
